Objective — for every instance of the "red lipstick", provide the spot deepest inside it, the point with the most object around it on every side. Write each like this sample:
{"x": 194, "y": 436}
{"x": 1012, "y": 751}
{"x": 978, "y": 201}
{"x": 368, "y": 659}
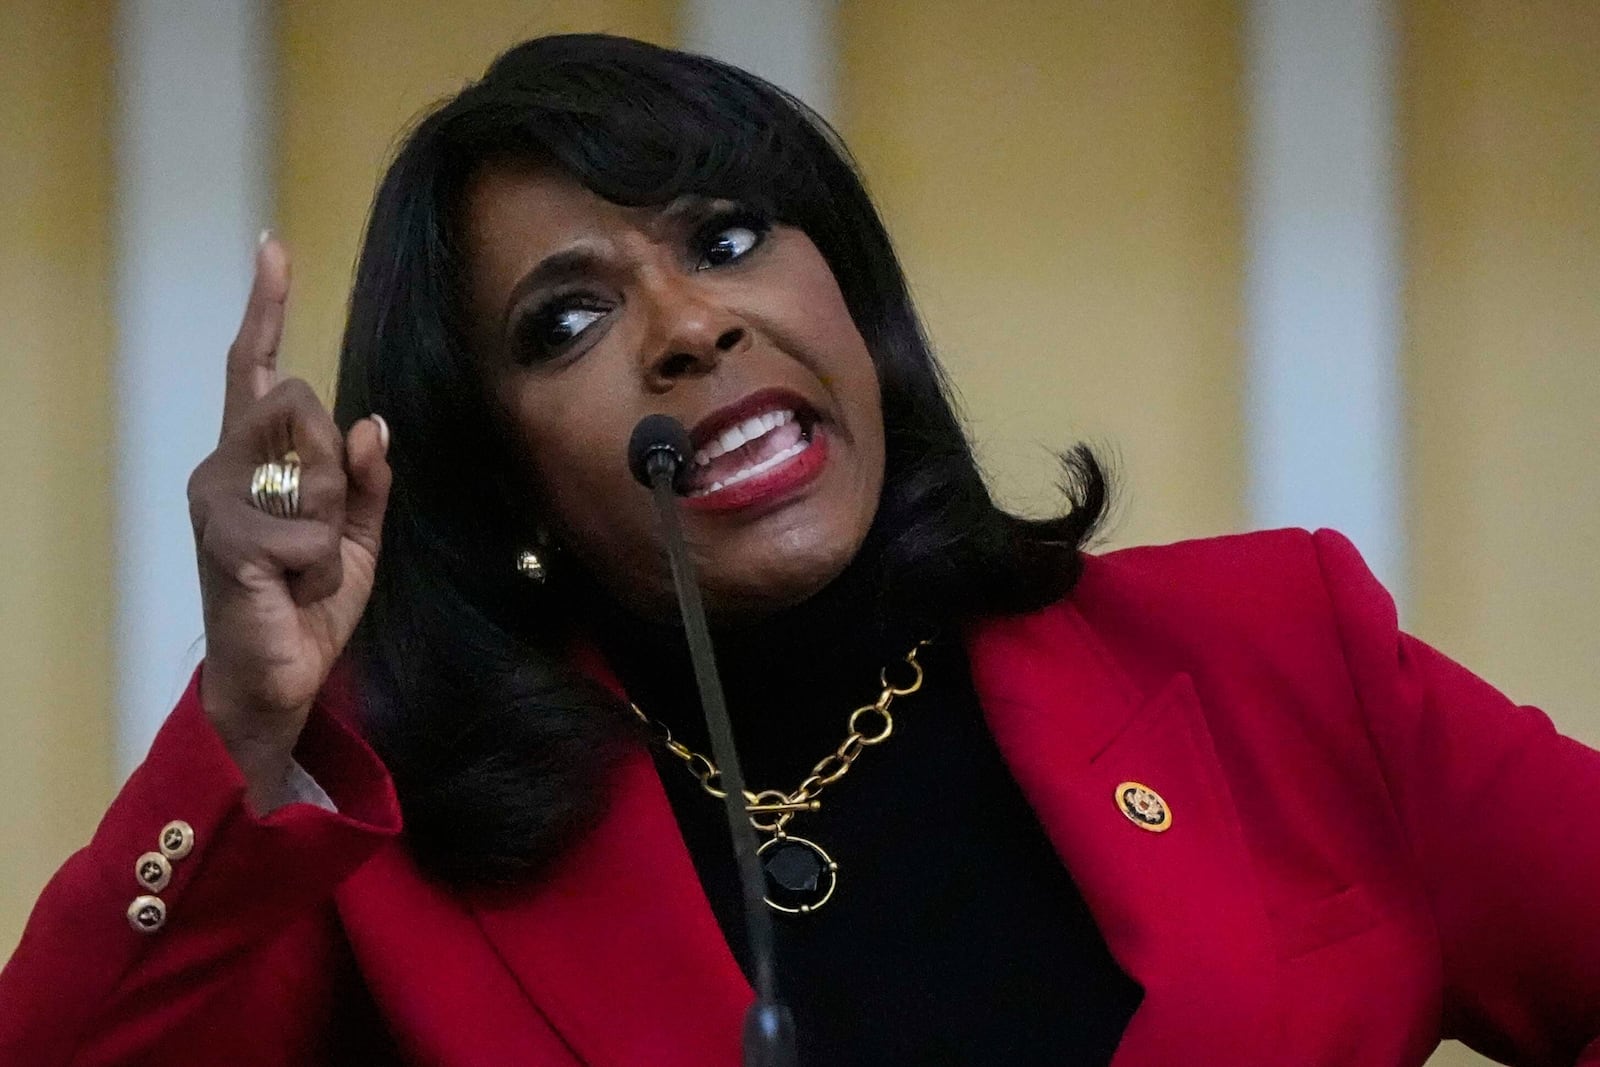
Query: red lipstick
{"x": 758, "y": 450}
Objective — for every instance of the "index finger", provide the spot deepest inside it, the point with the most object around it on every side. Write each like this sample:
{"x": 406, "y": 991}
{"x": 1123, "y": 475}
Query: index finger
{"x": 253, "y": 356}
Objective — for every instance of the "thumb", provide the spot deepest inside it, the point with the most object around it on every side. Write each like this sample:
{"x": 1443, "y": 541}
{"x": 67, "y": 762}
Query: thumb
{"x": 368, "y": 476}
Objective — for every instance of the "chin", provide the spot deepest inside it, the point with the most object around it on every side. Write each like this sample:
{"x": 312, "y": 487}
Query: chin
{"x": 785, "y": 579}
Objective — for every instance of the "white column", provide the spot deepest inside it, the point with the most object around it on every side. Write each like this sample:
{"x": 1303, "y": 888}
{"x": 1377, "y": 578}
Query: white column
{"x": 193, "y": 150}
{"x": 1323, "y": 275}
{"x": 791, "y": 43}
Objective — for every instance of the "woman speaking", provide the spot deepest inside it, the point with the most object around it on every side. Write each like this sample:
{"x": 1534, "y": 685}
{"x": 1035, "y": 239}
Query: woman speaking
{"x": 441, "y": 792}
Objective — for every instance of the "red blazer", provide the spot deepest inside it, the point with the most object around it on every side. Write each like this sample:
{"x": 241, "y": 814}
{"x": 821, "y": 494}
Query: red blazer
{"x": 1369, "y": 849}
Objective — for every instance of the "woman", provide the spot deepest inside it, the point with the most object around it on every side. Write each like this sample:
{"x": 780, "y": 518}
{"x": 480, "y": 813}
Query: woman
{"x": 1200, "y": 804}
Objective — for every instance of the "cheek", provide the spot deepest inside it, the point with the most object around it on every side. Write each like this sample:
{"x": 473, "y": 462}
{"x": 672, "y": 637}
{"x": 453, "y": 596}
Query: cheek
{"x": 852, "y": 377}
{"x": 576, "y": 449}
{"x": 572, "y": 462}
{"x": 821, "y": 325}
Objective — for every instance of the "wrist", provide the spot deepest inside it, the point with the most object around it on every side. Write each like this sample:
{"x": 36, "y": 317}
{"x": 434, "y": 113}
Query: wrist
{"x": 261, "y": 742}
{"x": 266, "y": 768}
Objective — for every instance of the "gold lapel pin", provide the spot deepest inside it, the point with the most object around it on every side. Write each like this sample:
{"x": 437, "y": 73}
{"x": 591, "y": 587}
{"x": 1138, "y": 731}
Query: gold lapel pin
{"x": 1143, "y": 806}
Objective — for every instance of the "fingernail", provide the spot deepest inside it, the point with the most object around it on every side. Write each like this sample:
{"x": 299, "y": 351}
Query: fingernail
{"x": 383, "y": 431}
{"x": 263, "y": 237}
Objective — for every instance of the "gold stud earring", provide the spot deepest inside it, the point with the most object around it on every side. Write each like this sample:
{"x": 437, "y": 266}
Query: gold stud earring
{"x": 531, "y": 566}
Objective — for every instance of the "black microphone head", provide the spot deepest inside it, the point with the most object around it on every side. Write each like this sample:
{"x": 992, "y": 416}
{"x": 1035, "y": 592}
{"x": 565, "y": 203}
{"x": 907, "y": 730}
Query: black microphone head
{"x": 660, "y": 442}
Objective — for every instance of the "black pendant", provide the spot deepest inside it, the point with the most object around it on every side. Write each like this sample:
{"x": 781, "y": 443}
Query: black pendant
{"x": 800, "y": 876}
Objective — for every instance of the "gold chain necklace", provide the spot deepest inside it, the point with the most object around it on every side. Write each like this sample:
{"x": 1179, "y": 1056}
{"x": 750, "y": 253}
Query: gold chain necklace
{"x": 800, "y": 876}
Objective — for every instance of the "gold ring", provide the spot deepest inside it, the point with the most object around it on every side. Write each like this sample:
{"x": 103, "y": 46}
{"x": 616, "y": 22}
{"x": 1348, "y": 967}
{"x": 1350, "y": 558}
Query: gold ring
{"x": 275, "y": 488}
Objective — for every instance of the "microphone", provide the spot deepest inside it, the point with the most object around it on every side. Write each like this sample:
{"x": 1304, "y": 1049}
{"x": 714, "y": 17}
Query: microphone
{"x": 660, "y": 444}
{"x": 658, "y": 454}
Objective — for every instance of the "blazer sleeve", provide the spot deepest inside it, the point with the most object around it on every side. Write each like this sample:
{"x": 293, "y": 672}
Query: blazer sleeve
{"x": 1501, "y": 814}
{"x": 240, "y": 965}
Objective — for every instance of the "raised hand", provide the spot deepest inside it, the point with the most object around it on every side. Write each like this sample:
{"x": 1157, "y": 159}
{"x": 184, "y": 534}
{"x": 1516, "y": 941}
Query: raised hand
{"x": 281, "y": 595}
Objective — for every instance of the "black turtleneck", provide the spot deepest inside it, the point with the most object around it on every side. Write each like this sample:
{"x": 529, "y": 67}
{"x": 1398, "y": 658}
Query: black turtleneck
{"x": 955, "y": 934}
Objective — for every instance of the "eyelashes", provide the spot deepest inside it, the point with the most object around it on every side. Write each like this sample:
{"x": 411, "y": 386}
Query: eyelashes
{"x": 553, "y": 326}
{"x": 558, "y": 324}
{"x": 729, "y": 235}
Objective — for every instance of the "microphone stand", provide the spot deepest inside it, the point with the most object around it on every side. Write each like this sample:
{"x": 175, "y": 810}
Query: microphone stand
{"x": 657, "y": 454}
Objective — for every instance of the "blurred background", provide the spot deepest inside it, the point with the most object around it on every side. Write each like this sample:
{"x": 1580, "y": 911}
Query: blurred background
{"x": 1309, "y": 262}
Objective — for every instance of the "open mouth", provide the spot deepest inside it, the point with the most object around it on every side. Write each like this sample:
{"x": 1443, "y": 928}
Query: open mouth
{"x": 754, "y": 448}
{"x": 748, "y": 450}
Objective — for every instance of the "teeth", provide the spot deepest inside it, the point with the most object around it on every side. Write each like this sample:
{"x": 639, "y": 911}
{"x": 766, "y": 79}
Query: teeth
{"x": 751, "y": 471}
{"x": 742, "y": 434}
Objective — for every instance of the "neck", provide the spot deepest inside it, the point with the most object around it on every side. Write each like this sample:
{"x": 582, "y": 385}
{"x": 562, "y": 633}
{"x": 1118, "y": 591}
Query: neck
{"x": 791, "y": 679}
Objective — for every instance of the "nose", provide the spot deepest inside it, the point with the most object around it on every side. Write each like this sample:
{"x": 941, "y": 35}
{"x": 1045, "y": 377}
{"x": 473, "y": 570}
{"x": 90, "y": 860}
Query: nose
{"x": 693, "y": 333}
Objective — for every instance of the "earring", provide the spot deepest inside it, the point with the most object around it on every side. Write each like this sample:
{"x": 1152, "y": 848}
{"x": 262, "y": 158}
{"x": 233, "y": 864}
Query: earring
{"x": 531, "y": 566}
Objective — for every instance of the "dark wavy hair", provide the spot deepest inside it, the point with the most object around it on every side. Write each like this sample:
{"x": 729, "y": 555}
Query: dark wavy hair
{"x": 497, "y": 743}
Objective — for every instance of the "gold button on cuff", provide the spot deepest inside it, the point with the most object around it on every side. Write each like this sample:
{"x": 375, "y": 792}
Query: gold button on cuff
{"x": 153, "y": 870}
{"x": 177, "y": 839}
{"x": 1143, "y": 806}
{"x": 147, "y": 914}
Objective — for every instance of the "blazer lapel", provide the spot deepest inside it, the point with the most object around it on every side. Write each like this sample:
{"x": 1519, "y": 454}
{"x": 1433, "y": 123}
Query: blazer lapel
{"x": 618, "y": 948}
{"x": 1180, "y": 909}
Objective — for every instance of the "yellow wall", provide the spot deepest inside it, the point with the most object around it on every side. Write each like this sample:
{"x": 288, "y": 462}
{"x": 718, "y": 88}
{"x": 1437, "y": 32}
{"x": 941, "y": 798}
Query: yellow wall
{"x": 55, "y": 435}
{"x": 1063, "y": 181}
{"x": 353, "y": 74}
{"x": 1502, "y": 126}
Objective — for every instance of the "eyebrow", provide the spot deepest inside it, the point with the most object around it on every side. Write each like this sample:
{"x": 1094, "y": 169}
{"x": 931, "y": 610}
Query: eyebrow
{"x": 688, "y": 207}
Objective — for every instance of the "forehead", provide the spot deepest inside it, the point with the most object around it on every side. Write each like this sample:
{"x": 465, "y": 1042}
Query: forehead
{"x": 540, "y": 208}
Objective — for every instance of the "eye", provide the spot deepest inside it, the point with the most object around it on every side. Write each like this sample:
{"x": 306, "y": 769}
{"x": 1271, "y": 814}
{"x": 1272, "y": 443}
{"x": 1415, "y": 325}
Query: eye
{"x": 726, "y": 240}
{"x": 553, "y": 328}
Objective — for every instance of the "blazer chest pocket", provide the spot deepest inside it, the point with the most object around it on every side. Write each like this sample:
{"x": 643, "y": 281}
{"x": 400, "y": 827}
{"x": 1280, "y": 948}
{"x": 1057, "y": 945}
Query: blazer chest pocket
{"x": 1309, "y": 926}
